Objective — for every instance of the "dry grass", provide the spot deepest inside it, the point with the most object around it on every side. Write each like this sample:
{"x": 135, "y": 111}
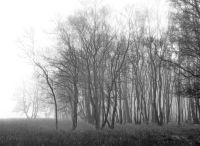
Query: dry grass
{"x": 18, "y": 132}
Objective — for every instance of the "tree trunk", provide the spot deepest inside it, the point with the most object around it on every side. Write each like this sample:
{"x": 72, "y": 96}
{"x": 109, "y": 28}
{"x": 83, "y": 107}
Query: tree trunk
{"x": 75, "y": 106}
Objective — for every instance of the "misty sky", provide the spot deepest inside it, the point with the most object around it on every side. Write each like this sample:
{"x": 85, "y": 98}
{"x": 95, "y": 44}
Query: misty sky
{"x": 16, "y": 16}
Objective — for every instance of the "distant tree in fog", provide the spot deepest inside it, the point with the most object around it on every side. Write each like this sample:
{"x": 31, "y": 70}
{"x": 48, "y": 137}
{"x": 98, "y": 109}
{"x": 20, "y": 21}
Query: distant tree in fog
{"x": 29, "y": 100}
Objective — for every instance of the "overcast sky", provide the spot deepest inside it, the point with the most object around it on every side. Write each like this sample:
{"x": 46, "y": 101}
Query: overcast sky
{"x": 16, "y": 16}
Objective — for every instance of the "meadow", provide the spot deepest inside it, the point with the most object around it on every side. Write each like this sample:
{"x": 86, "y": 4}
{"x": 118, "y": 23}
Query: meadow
{"x": 41, "y": 132}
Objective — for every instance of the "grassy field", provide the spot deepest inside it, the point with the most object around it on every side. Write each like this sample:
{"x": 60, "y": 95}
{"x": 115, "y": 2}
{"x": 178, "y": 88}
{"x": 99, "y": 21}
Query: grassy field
{"x": 18, "y": 132}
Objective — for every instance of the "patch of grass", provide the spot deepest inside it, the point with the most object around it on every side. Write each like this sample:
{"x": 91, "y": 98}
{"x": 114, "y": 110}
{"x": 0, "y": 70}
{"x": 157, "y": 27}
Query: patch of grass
{"x": 42, "y": 133}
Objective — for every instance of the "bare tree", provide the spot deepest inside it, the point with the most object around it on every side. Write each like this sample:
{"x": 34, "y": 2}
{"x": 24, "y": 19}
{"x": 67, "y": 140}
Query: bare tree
{"x": 50, "y": 85}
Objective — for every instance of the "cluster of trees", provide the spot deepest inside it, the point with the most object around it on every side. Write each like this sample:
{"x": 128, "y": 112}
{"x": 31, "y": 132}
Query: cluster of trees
{"x": 134, "y": 73}
{"x": 186, "y": 30}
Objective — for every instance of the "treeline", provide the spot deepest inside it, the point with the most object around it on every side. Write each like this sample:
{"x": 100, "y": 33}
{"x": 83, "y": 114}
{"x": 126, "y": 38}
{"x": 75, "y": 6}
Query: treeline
{"x": 134, "y": 71}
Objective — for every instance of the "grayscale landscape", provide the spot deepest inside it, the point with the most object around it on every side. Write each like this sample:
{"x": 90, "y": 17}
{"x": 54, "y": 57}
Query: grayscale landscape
{"x": 100, "y": 73}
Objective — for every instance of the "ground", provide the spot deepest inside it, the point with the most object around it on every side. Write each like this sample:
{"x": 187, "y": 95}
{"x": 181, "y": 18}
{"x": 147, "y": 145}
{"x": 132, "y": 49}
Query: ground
{"x": 16, "y": 132}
